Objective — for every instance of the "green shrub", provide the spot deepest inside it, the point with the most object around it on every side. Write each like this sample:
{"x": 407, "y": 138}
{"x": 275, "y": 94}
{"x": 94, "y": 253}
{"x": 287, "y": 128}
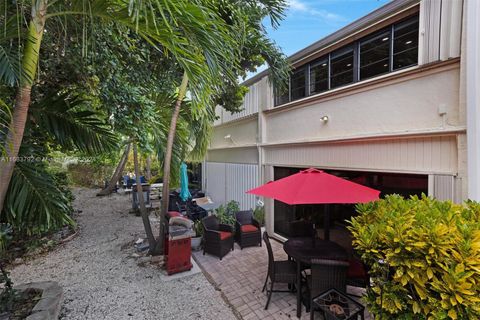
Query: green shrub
{"x": 226, "y": 214}
{"x": 259, "y": 215}
{"x": 5, "y": 236}
{"x": 198, "y": 227}
{"x": 424, "y": 256}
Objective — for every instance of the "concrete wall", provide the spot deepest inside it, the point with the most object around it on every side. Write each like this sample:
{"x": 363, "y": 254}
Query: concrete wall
{"x": 235, "y": 134}
{"x": 414, "y": 103}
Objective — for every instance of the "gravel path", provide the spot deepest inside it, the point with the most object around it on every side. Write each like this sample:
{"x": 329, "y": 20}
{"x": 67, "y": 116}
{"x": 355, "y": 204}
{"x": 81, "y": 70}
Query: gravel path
{"x": 102, "y": 281}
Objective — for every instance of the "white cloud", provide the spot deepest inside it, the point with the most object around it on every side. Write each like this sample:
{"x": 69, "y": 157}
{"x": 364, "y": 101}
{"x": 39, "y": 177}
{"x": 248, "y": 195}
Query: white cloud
{"x": 297, "y": 5}
{"x": 300, "y": 6}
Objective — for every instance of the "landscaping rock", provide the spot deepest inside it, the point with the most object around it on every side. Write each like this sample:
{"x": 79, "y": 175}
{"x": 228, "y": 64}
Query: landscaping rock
{"x": 49, "y": 305}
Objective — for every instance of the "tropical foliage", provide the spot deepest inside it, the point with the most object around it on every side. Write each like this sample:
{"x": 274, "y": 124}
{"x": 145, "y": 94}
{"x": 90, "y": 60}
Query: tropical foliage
{"x": 424, "y": 256}
{"x": 226, "y": 213}
{"x": 259, "y": 214}
{"x": 87, "y": 77}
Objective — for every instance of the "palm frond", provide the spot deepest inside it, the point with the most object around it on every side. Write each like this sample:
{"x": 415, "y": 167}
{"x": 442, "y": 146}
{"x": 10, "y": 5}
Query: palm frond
{"x": 5, "y": 116}
{"x": 33, "y": 203}
{"x": 187, "y": 30}
{"x": 72, "y": 125}
{"x": 9, "y": 66}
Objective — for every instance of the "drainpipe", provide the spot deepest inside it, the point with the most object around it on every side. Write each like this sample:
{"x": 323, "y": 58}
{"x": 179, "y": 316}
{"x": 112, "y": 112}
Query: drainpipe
{"x": 472, "y": 12}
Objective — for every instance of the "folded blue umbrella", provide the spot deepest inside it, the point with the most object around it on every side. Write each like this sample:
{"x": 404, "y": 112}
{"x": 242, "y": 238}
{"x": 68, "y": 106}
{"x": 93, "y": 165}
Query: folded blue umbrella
{"x": 184, "y": 192}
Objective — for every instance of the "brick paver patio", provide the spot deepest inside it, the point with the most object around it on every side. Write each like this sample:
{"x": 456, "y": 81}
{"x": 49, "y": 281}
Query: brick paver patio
{"x": 240, "y": 276}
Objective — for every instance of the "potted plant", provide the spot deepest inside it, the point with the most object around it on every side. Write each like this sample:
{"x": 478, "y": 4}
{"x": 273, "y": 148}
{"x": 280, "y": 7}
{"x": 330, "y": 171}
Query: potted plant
{"x": 226, "y": 213}
{"x": 197, "y": 240}
{"x": 259, "y": 215}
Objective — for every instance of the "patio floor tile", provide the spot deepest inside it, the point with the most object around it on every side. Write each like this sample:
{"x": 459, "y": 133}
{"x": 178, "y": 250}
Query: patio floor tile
{"x": 240, "y": 276}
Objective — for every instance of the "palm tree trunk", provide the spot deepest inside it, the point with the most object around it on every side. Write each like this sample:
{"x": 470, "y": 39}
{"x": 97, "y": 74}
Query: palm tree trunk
{"x": 148, "y": 167}
{"x": 141, "y": 201}
{"x": 116, "y": 175}
{"x": 22, "y": 101}
{"x": 166, "y": 163}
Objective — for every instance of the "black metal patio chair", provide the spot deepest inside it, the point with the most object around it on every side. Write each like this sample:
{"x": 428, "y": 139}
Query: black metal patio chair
{"x": 278, "y": 272}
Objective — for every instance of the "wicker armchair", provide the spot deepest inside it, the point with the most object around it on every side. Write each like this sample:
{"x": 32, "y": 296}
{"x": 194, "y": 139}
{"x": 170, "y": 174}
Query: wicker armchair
{"x": 326, "y": 274}
{"x": 218, "y": 238}
{"x": 247, "y": 229}
{"x": 278, "y": 271}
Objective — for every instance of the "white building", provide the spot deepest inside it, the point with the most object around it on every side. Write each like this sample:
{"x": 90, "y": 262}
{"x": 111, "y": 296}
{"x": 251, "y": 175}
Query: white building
{"x": 390, "y": 101}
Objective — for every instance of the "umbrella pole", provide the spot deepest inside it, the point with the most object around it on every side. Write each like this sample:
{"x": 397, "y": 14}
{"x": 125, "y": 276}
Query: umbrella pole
{"x": 326, "y": 223}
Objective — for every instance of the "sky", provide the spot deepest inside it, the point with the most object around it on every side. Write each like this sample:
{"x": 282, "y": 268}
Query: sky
{"x": 308, "y": 21}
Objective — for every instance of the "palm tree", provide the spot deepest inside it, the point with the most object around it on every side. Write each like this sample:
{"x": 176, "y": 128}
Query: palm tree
{"x": 163, "y": 24}
{"x": 35, "y": 200}
{"x": 240, "y": 16}
{"x": 116, "y": 174}
{"x": 141, "y": 201}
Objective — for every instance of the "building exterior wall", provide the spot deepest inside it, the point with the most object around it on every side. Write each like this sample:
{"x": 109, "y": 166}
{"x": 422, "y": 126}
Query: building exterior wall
{"x": 245, "y": 155}
{"x": 419, "y": 102}
{"x": 235, "y": 134}
{"x": 410, "y": 121}
{"x": 421, "y": 155}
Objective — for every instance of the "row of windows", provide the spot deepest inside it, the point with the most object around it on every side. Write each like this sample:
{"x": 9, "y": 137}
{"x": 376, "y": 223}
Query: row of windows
{"x": 389, "y": 49}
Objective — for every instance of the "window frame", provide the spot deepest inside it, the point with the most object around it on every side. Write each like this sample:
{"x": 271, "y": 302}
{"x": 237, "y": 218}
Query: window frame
{"x": 355, "y": 47}
{"x": 388, "y": 31}
{"x": 338, "y": 53}
{"x": 320, "y": 61}
{"x": 406, "y": 22}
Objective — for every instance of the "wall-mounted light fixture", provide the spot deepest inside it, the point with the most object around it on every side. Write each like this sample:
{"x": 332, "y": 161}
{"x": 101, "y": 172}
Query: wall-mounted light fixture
{"x": 324, "y": 119}
{"x": 229, "y": 137}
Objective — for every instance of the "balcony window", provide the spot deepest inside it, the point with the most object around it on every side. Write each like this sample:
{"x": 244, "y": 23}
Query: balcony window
{"x": 341, "y": 67}
{"x": 375, "y": 55}
{"x": 405, "y": 44}
{"x": 319, "y": 76}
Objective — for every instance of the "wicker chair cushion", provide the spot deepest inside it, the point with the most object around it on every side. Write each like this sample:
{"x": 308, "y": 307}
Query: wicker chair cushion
{"x": 174, "y": 214}
{"x": 249, "y": 228}
{"x": 225, "y": 235}
{"x": 356, "y": 269}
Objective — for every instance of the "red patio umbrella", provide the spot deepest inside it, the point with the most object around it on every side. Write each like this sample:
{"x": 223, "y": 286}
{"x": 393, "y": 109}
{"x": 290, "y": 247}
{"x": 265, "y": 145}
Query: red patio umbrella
{"x": 313, "y": 186}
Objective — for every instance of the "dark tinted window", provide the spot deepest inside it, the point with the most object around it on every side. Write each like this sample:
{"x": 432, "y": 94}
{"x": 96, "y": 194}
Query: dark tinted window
{"x": 297, "y": 84}
{"x": 375, "y": 55}
{"x": 282, "y": 97}
{"x": 390, "y": 49}
{"x": 319, "y": 76}
{"x": 341, "y": 64}
{"x": 405, "y": 44}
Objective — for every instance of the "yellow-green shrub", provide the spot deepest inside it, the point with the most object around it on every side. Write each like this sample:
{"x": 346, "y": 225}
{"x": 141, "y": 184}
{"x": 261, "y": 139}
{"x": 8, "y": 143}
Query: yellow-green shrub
{"x": 424, "y": 256}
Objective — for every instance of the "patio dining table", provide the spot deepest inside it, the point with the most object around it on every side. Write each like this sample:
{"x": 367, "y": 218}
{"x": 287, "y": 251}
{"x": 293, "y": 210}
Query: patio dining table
{"x": 303, "y": 250}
